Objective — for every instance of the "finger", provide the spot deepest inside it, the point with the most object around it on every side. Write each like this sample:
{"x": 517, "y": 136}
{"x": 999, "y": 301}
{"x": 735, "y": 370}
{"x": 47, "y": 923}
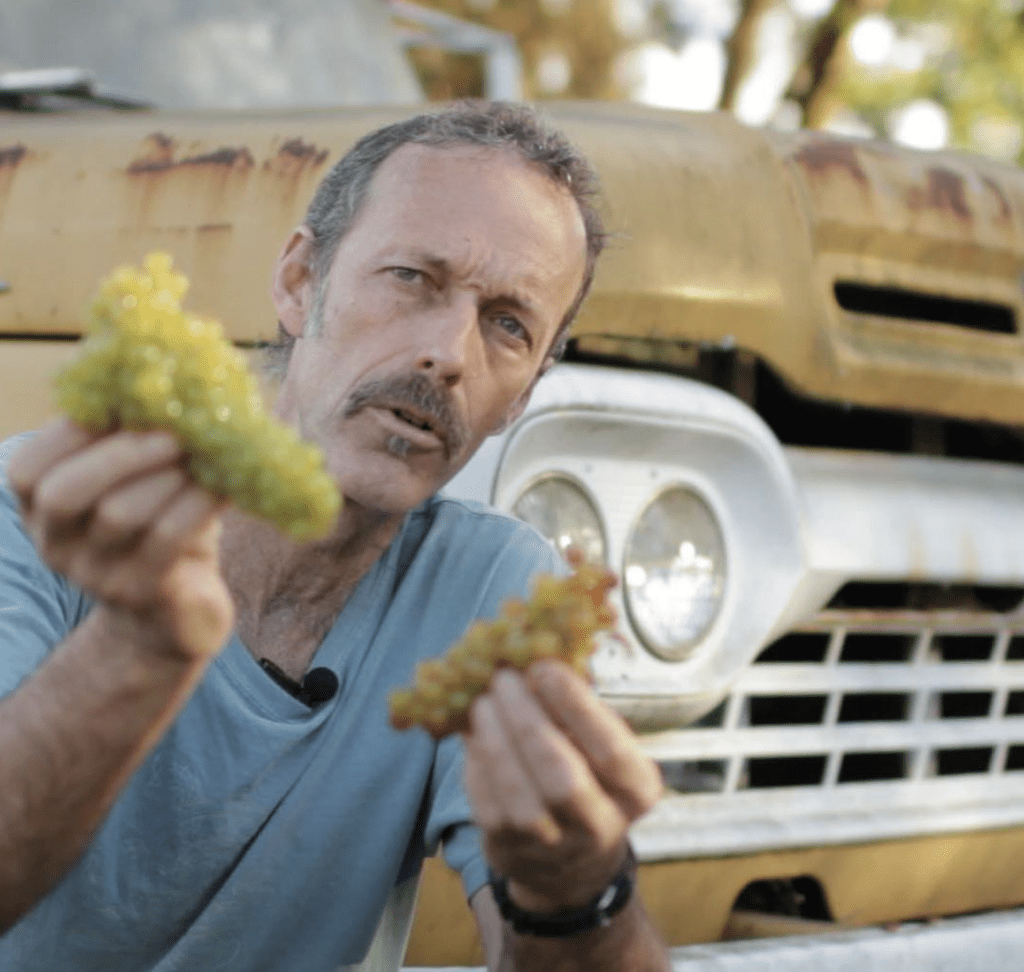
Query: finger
{"x": 123, "y": 515}
{"x": 53, "y": 442}
{"x": 205, "y": 541}
{"x": 184, "y": 527}
{"x": 181, "y": 527}
{"x": 501, "y": 791}
{"x": 607, "y": 743}
{"x": 558, "y": 770}
{"x": 72, "y": 488}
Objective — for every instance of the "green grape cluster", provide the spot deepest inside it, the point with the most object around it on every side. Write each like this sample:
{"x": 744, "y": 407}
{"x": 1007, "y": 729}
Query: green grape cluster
{"x": 558, "y": 621}
{"x": 146, "y": 364}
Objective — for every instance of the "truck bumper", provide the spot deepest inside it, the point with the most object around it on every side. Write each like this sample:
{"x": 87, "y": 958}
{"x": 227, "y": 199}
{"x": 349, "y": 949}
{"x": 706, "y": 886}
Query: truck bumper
{"x": 979, "y": 943}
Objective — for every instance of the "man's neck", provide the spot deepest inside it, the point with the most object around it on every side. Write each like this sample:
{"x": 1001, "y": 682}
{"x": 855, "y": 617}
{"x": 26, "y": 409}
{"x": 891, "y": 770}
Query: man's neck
{"x": 288, "y": 595}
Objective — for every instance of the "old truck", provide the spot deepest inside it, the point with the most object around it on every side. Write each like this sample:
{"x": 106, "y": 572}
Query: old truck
{"x": 790, "y": 418}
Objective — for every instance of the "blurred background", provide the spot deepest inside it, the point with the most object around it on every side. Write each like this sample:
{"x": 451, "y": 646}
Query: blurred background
{"x": 925, "y": 73}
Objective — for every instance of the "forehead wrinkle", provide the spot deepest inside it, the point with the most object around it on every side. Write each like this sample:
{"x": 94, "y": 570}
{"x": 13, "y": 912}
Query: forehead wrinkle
{"x": 422, "y": 189}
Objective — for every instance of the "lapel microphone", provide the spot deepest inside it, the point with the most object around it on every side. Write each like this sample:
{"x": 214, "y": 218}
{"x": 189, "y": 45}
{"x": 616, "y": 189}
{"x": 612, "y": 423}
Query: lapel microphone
{"x": 318, "y": 684}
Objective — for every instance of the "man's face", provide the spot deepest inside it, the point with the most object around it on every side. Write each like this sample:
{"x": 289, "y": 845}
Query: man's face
{"x": 435, "y": 317}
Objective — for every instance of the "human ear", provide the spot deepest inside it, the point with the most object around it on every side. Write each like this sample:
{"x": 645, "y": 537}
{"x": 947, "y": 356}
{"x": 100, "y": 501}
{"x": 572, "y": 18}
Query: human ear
{"x": 292, "y": 287}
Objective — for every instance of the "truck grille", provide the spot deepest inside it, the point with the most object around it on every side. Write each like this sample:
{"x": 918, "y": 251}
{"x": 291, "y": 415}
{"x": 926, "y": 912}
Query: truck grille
{"x": 889, "y": 719}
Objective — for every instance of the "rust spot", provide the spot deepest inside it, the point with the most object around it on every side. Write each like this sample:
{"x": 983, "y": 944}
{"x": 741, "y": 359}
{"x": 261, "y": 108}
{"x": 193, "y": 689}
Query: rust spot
{"x": 12, "y": 155}
{"x": 293, "y": 159}
{"x": 140, "y": 166}
{"x": 157, "y": 154}
{"x": 1005, "y": 212}
{"x": 230, "y": 158}
{"x": 945, "y": 190}
{"x": 818, "y": 158}
{"x": 159, "y": 157}
{"x": 303, "y": 152}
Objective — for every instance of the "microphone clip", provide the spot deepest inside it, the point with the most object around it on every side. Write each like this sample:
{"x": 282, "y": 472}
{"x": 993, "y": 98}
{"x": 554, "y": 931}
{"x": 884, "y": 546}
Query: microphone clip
{"x": 318, "y": 684}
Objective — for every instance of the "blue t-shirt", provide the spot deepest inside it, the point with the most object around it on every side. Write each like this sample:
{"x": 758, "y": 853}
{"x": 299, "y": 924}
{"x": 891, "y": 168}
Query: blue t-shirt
{"x": 260, "y": 835}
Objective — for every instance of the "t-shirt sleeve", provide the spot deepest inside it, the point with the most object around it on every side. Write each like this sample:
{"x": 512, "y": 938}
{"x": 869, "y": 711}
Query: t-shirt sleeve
{"x": 38, "y": 608}
{"x": 450, "y": 820}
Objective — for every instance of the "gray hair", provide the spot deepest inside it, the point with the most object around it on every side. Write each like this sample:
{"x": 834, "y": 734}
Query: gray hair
{"x": 498, "y": 125}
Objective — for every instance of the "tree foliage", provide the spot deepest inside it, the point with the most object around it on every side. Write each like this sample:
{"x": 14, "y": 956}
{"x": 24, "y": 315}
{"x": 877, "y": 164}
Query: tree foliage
{"x": 971, "y": 59}
{"x": 974, "y": 69}
{"x": 971, "y": 65}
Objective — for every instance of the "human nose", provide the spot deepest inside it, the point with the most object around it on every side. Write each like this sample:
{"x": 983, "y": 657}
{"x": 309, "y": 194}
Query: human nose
{"x": 446, "y": 341}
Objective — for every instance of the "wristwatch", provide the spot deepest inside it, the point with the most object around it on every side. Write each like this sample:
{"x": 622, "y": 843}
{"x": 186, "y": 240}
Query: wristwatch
{"x": 568, "y": 921}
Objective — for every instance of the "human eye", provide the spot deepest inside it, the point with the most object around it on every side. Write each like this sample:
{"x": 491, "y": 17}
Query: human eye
{"x": 513, "y": 328}
{"x": 407, "y": 274}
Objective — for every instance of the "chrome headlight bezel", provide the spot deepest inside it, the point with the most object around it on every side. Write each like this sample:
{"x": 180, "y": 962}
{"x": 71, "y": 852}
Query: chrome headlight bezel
{"x": 591, "y": 505}
{"x": 678, "y": 648}
{"x": 623, "y": 437}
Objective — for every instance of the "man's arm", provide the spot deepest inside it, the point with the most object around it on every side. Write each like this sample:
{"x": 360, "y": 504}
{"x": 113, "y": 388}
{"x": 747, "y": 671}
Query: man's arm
{"x": 628, "y": 943}
{"x": 555, "y": 778}
{"x": 120, "y": 520}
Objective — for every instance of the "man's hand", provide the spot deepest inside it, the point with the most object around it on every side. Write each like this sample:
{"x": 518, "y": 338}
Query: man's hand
{"x": 119, "y": 518}
{"x": 555, "y": 778}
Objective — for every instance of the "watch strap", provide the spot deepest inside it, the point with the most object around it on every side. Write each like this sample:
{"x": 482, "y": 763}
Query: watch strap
{"x": 568, "y": 921}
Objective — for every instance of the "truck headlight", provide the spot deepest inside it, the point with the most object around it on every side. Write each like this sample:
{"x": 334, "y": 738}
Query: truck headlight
{"x": 560, "y": 510}
{"x": 674, "y": 573}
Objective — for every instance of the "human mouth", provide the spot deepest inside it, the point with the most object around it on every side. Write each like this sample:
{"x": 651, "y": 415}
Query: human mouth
{"x": 412, "y": 407}
{"x": 413, "y": 428}
{"x": 417, "y": 421}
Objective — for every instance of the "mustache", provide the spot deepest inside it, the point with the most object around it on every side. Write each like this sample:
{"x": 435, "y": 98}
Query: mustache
{"x": 418, "y": 393}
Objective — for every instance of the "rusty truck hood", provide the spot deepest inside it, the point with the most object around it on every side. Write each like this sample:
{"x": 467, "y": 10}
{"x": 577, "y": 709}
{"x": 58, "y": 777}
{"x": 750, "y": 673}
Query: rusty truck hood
{"x": 721, "y": 234}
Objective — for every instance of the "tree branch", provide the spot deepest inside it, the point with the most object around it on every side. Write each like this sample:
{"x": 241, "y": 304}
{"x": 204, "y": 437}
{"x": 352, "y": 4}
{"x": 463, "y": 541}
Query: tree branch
{"x": 741, "y": 50}
{"x": 826, "y": 55}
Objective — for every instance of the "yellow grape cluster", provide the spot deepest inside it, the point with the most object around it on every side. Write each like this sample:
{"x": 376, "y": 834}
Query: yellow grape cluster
{"x": 558, "y": 621}
{"x": 146, "y": 364}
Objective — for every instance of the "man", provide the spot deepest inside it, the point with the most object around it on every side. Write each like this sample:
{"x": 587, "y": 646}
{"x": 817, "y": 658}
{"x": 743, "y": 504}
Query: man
{"x": 164, "y": 805}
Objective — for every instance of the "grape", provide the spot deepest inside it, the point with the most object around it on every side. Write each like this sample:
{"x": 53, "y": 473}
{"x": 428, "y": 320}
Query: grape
{"x": 146, "y": 364}
{"x": 558, "y": 621}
